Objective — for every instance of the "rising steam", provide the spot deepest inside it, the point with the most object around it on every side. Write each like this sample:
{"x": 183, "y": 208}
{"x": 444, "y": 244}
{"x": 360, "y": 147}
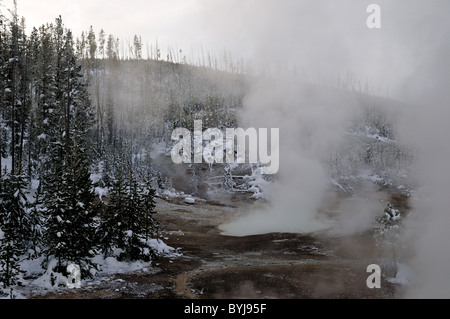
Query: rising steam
{"x": 407, "y": 57}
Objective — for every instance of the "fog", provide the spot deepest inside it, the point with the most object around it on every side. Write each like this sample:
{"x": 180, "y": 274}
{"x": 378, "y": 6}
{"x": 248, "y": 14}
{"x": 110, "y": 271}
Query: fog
{"x": 407, "y": 59}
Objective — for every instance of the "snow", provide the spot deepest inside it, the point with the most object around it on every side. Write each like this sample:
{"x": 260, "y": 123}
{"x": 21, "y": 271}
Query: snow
{"x": 162, "y": 248}
{"x": 34, "y": 183}
{"x": 6, "y": 163}
{"x": 254, "y": 189}
{"x": 49, "y": 277}
{"x": 42, "y": 279}
{"x": 95, "y": 178}
{"x": 101, "y": 192}
{"x": 2, "y": 234}
{"x": 189, "y": 200}
{"x": 11, "y": 293}
{"x": 111, "y": 265}
{"x": 32, "y": 267}
{"x": 372, "y": 136}
{"x": 42, "y": 136}
{"x": 171, "y": 193}
{"x": 370, "y": 176}
{"x": 257, "y": 184}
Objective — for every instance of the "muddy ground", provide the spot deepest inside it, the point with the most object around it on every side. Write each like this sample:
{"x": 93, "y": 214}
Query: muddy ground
{"x": 276, "y": 265}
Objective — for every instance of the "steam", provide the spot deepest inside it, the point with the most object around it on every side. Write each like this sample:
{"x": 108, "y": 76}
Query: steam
{"x": 426, "y": 125}
{"x": 406, "y": 59}
{"x": 312, "y": 122}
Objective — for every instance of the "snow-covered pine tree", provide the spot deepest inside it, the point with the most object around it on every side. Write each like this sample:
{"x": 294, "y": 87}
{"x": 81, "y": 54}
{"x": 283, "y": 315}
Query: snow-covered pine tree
{"x": 14, "y": 225}
{"x": 128, "y": 222}
{"x": 69, "y": 206}
{"x": 9, "y": 257}
{"x": 133, "y": 218}
{"x": 35, "y": 215}
{"x": 57, "y": 219}
{"x": 44, "y": 127}
{"x": 149, "y": 223}
{"x": 70, "y": 236}
{"x": 111, "y": 229}
{"x": 83, "y": 212}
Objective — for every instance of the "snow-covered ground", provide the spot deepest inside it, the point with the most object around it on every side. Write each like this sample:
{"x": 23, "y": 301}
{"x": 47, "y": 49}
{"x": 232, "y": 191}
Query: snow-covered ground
{"x": 37, "y": 281}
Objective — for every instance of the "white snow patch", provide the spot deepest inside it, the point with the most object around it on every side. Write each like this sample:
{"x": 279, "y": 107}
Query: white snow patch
{"x": 6, "y": 163}
{"x": 257, "y": 184}
{"x": 50, "y": 279}
{"x": 101, "y": 192}
{"x": 162, "y": 248}
{"x": 95, "y": 178}
{"x": 171, "y": 193}
{"x": 32, "y": 267}
{"x": 111, "y": 265}
{"x": 34, "y": 183}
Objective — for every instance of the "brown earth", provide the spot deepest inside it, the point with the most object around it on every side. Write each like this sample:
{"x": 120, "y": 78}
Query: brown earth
{"x": 276, "y": 265}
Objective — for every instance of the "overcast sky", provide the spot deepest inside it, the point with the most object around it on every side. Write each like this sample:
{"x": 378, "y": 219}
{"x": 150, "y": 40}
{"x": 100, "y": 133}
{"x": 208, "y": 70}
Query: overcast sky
{"x": 325, "y": 37}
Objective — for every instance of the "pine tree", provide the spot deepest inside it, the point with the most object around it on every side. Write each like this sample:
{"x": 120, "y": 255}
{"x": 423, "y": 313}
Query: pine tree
{"x": 72, "y": 216}
{"x": 45, "y": 124}
{"x": 35, "y": 215}
{"x": 128, "y": 221}
{"x": 111, "y": 48}
{"x": 92, "y": 43}
{"x": 134, "y": 241}
{"x": 16, "y": 95}
{"x": 81, "y": 201}
{"x": 149, "y": 224}
{"x": 57, "y": 219}
{"x": 9, "y": 258}
{"x": 68, "y": 196}
{"x": 101, "y": 43}
{"x": 112, "y": 228}
{"x": 14, "y": 225}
